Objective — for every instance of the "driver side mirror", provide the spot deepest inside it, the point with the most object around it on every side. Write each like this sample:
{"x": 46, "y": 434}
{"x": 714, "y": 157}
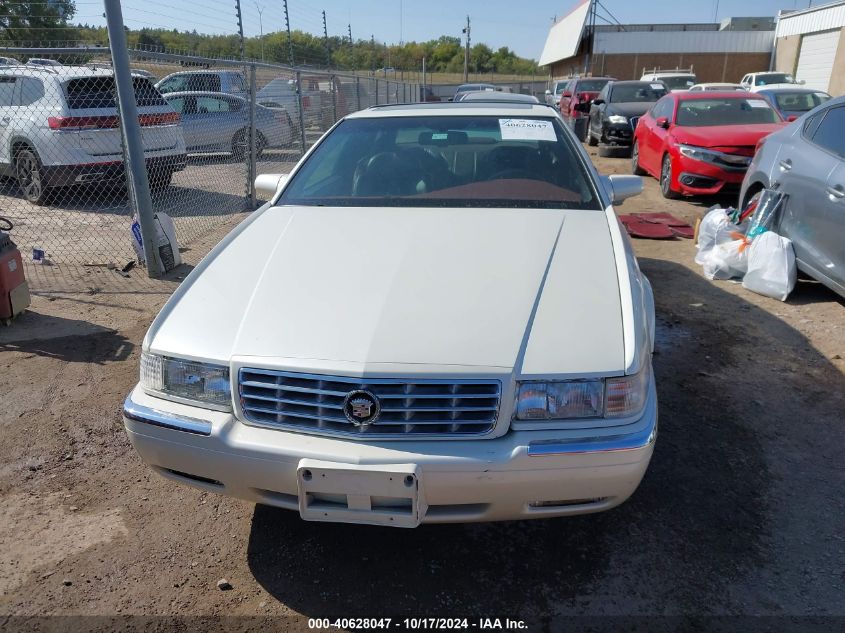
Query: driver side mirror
{"x": 267, "y": 185}
{"x": 663, "y": 122}
{"x": 801, "y": 81}
{"x": 791, "y": 118}
{"x": 548, "y": 92}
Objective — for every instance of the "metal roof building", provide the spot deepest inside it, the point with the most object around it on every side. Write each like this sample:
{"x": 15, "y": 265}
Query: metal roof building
{"x": 717, "y": 51}
{"x": 811, "y": 45}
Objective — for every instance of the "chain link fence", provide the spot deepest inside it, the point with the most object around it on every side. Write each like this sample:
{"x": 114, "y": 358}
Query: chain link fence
{"x": 207, "y": 126}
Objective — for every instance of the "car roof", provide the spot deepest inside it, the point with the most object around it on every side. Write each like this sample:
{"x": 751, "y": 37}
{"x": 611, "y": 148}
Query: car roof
{"x": 201, "y": 93}
{"x": 495, "y": 96}
{"x": 670, "y": 73}
{"x": 202, "y": 70}
{"x": 461, "y": 108}
{"x": 782, "y": 88}
{"x": 717, "y": 94}
{"x": 63, "y": 72}
{"x": 632, "y": 82}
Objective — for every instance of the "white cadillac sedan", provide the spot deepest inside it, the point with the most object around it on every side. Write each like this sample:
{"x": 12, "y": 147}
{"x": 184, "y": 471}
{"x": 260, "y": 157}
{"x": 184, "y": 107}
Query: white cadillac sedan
{"x": 437, "y": 318}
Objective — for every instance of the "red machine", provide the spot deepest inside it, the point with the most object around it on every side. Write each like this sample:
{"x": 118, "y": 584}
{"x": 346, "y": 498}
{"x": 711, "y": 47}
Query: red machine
{"x": 14, "y": 291}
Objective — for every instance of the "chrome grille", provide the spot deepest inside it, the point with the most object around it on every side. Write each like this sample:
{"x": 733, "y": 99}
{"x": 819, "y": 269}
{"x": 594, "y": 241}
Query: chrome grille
{"x": 314, "y": 403}
{"x": 633, "y": 121}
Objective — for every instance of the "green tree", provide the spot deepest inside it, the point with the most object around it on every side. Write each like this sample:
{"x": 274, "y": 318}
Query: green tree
{"x": 36, "y": 23}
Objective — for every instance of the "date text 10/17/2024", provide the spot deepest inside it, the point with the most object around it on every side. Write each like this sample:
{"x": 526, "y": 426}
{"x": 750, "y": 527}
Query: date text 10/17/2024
{"x": 431, "y": 624}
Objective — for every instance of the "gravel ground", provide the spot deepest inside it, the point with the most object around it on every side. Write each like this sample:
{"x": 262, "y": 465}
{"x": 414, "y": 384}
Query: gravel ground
{"x": 740, "y": 514}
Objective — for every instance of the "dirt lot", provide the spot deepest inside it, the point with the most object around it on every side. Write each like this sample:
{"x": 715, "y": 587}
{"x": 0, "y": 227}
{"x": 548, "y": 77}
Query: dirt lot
{"x": 740, "y": 514}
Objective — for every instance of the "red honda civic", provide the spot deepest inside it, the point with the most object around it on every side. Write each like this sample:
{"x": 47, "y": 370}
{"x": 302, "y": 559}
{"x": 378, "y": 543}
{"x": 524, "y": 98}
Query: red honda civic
{"x": 701, "y": 143}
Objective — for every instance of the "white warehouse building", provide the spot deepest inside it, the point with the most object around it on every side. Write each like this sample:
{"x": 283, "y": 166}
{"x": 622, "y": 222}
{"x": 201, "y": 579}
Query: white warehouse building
{"x": 810, "y": 44}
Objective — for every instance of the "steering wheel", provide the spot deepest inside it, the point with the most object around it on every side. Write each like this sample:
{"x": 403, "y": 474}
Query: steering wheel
{"x": 6, "y": 224}
{"x": 512, "y": 174}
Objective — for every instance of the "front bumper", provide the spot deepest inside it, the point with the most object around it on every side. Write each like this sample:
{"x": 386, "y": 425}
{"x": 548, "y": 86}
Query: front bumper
{"x": 521, "y": 475}
{"x": 67, "y": 175}
{"x": 698, "y": 178}
{"x": 619, "y": 133}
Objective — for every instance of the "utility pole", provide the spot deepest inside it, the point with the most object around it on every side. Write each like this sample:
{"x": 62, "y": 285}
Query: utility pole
{"x": 290, "y": 41}
{"x": 326, "y": 41}
{"x": 351, "y": 47}
{"x": 260, "y": 10}
{"x": 716, "y": 12}
{"x": 591, "y": 20}
{"x": 466, "y": 53}
{"x": 240, "y": 25}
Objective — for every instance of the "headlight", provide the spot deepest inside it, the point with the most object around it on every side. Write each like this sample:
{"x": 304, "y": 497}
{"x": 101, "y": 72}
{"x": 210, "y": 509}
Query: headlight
{"x": 712, "y": 156}
{"x": 617, "y": 118}
{"x": 571, "y": 399}
{"x": 203, "y": 383}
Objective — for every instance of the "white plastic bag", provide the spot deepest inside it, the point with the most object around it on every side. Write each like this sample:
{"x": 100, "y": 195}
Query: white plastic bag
{"x": 168, "y": 247}
{"x": 726, "y": 260}
{"x": 710, "y": 224}
{"x": 771, "y": 266}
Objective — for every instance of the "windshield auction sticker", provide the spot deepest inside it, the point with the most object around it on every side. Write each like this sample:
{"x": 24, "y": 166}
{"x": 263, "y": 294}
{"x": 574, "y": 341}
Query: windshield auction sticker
{"x": 527, "y": 130}
{"x": 757, "y": 103}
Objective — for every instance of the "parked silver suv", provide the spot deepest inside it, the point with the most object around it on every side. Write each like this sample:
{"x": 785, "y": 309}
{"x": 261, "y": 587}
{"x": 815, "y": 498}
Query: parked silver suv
{"x": 806, "y": 160}
{"x": 59, "y": 126}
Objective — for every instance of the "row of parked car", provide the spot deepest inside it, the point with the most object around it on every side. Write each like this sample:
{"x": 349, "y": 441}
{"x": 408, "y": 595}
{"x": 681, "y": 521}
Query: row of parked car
{"x": 765, "y": 132}
{"x": 59, "y": 126}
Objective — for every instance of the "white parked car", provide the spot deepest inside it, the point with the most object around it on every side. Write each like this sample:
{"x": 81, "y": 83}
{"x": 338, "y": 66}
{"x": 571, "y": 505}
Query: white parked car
{"x": 228, "y": 81}
{"x": 674, "y": 80}
{"x": 761, "y": 81}
{"x": 61, "y": 127}
{"x": 437, "y": 318}
{"x": 715, "y": 87}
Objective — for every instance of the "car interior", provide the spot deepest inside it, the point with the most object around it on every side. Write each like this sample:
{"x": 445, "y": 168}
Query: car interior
{"x": 426, "y": 164}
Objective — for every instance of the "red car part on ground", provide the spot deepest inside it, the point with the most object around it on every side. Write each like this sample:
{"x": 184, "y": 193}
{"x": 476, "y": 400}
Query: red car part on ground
{"x": 701, "y": 143}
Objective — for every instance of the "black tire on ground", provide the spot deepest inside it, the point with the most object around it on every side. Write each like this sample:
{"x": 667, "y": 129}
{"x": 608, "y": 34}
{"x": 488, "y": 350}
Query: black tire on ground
{"x": 666, "y": 179}
{"x": 29, "y": 174}
{"x": 635, "y": 160}
{"x": 614, "y": 151}
{"x": 239, "y": 145}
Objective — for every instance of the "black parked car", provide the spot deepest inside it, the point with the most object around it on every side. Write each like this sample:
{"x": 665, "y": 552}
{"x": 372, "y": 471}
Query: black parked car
{"x": 615, "y": 112}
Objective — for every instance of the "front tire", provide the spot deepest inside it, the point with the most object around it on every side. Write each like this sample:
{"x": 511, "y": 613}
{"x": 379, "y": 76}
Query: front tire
{"x": 30, "y": 176}
{"x": 635, "y": 160}
{"x": 591, "y": 140}
{"x": 666, "y": 179}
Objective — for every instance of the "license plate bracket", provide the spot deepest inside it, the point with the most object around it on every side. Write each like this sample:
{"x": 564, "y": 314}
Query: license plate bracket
{"x": 388, "y": 495}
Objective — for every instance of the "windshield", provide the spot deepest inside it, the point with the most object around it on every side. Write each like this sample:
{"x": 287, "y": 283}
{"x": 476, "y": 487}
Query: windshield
{"x": 709, "y": 112}
{"x": 98, "y": 92}
{"x": 800, "y": 101}
{"x": 636, "y": 93}
{"x": 592, "y": 85}
{"x": 559, "y": 86}
{"x": 679, "y": 82}
{"x": 773, "y": 78}
{"x": 445, "y": 161}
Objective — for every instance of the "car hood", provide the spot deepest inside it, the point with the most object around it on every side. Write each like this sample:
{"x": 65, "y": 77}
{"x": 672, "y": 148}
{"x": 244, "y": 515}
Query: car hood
{"x": 721, "y": 136}
{"x": 629, "y": 109}
{"x": 367, "y": 289}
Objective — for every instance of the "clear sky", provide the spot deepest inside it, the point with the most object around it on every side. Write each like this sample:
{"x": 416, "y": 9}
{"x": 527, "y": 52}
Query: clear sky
{"x": 521, "y": 25}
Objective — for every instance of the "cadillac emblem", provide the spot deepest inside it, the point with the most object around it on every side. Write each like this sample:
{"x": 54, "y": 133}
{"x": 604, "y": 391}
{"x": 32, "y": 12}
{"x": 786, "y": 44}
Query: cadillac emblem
{"x": 361, "y": 408}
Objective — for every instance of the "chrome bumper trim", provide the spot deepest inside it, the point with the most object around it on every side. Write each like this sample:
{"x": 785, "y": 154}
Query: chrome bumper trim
{"x": 612, "y": 444}
{"x": 147, "y": 415}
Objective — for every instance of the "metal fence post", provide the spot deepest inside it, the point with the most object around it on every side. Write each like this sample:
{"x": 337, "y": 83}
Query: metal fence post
{"x": 376, "y": 91}
{"x": 299, "y": 107}
{"x": 358, "y": 91}
{"x": 334, "y": 99}
{"x": 136, "y": 169}
{"x": 253, "y": 152}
